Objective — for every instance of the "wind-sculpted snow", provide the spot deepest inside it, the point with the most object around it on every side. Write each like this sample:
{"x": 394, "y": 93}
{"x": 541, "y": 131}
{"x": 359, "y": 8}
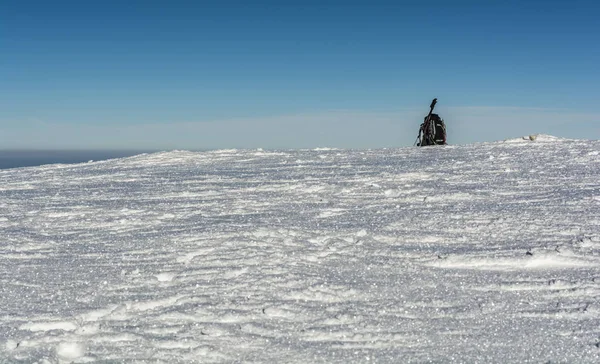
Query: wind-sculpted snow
{"x": 485, "y": 253}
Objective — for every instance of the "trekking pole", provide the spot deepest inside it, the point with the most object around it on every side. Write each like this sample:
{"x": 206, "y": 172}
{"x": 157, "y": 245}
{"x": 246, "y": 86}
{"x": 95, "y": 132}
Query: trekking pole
{"x": 418, "y": 139}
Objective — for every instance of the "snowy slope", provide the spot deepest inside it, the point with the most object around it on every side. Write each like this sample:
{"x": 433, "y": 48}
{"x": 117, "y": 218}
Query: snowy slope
{"x": 481, "y": 253}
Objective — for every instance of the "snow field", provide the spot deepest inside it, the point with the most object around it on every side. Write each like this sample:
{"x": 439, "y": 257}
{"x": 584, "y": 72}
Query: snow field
{"x": 479, "y": 253}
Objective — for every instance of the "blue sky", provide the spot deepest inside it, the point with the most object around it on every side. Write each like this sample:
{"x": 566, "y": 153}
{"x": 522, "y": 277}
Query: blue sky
{"x": 293, "y": 74}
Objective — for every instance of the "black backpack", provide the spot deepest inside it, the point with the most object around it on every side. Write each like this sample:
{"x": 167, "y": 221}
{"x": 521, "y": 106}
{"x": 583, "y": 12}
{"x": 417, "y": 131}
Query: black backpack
{"x": 433, "y": 129}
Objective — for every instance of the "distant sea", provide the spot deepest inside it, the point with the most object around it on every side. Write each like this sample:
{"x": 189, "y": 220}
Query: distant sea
{"x": 30, "y": 158}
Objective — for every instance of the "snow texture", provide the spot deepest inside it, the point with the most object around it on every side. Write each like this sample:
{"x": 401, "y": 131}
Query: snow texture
{"x": 483, "y": 253}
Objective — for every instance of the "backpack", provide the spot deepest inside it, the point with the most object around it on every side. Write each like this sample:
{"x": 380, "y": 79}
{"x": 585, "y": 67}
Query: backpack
{"x": 433, "y": 129}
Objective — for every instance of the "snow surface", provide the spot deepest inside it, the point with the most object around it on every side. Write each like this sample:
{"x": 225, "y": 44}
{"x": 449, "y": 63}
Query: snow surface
{"x": 483, "y": 253}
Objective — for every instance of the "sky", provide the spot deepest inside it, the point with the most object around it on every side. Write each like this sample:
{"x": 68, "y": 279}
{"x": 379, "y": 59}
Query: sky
{"x": 293, "y": 74}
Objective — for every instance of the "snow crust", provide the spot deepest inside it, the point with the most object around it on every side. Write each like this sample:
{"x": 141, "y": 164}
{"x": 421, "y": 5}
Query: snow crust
{"x": 483, "y": 253}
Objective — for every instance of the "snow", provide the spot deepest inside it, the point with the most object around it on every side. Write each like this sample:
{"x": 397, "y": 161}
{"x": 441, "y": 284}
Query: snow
{"x": 478, "y": 253}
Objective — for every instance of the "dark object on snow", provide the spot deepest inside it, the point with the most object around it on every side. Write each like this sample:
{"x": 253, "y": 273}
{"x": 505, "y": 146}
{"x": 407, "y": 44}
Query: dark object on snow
{"x": 433, "y": 129}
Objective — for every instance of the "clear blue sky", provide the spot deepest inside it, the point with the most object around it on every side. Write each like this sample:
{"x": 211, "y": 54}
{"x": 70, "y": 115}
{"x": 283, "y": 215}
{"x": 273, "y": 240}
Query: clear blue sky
{"x": 293, "y": 74}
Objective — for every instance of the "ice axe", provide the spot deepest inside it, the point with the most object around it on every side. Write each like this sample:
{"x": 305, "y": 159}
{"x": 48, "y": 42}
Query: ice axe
{"x": 432, "y": 106}
{"x": 433, "y": 102}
